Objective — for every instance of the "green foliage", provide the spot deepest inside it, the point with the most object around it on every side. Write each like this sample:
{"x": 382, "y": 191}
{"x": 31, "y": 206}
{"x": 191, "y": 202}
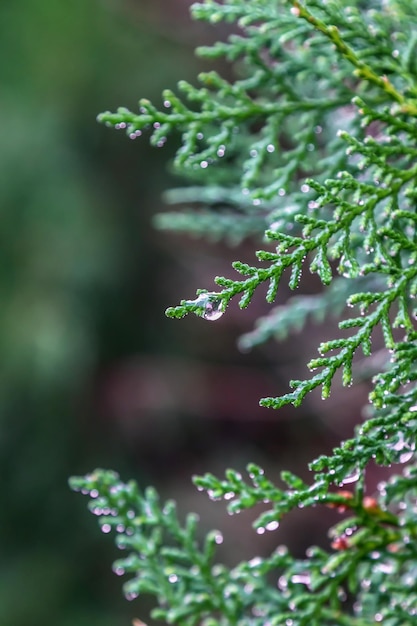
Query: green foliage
{"x": 313, "y": 147}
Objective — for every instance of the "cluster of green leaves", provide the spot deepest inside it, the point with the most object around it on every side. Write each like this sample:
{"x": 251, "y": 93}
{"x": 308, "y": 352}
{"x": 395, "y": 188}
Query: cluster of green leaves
{"x": 374, "y": 561}
{"x": 313, "y": 147}
{"x": 277, "y": 130}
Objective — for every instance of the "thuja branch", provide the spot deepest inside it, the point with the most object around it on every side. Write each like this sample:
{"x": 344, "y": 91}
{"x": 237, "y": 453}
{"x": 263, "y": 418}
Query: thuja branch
{"x": 341, "y": 202}
{"x": 363, "y": 70}
{"x": 218, "y": 102}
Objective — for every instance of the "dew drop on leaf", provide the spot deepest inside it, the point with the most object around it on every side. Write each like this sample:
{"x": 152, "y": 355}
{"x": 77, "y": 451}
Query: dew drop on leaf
{"x": 213, "y": 310}
{"x": 402, "y": 449}
{"x": 282, "y": 583}
{"x": 351, "y": 478}
{"x": 209, "y": 306}
{"x": 302, "y": 578}
{"x": 131, "y": 595}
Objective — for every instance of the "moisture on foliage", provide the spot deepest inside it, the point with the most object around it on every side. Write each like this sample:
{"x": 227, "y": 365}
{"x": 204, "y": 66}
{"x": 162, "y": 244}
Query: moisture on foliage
{"x": 313, "y": 148}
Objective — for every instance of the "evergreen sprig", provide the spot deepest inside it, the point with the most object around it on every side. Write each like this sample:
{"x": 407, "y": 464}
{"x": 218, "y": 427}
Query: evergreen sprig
{"x": 313, "y": 148}
{"x": 190, "y": 588}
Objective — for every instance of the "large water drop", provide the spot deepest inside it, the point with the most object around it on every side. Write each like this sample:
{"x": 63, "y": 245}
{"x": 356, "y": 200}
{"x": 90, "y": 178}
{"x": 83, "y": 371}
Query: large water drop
{"x": 211, "y": 305}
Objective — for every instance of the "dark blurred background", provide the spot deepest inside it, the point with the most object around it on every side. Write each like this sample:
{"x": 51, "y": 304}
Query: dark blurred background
{"x": 91, "y": 371}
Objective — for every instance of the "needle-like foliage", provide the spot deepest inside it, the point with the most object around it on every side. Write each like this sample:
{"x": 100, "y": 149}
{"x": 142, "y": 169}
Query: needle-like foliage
{"x": 312, "y": 147}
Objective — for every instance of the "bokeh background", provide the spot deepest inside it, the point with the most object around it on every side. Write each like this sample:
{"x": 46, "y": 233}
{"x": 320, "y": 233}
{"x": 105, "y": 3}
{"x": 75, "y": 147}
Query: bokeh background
{"x": 91, "y": 372}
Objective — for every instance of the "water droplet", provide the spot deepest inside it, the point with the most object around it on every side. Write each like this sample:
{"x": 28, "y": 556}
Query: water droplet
{"x": 270, "y": 148}
{"x": 385, "y": 568}
{"x": 346, "y": 267}
{"x": 341, "y": 594}
{"x": 218, "y": 538}
{"x": 281, "y": 192}
{"x": 318, "y": 130}
{"x": 173, "y": 578}
{"x": 404, "y": 449}
{"x": 200, "y": 136}
{"x": 212, "y": 496}
{"x": 221, "y": 150}
{"x": 303, "y": 578}
{"x": 260, "y": 530}
{"x": 131, "y": 595}
{"x": 119, "y": 571}
{"x": 229, "y": 495}
{"x": 204, "y": 164}
{"x": 106, "y": 528}
{"x": 167, "y": 104}
{"x": 305, "y": 188}
{"x": 94, "y": 493}
{"x": 253, "y": 153}
{"x": 282, "y": 583}
{"x": 272, "y": 525}
{"x": 351, "y": 478}
{"x": 156, "y": 125}
{"x": 212, "y": 306}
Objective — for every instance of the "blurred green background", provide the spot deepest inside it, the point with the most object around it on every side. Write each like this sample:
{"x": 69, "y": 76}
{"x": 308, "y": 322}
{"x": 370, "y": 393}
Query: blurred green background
{"x": 91, "y": 372}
